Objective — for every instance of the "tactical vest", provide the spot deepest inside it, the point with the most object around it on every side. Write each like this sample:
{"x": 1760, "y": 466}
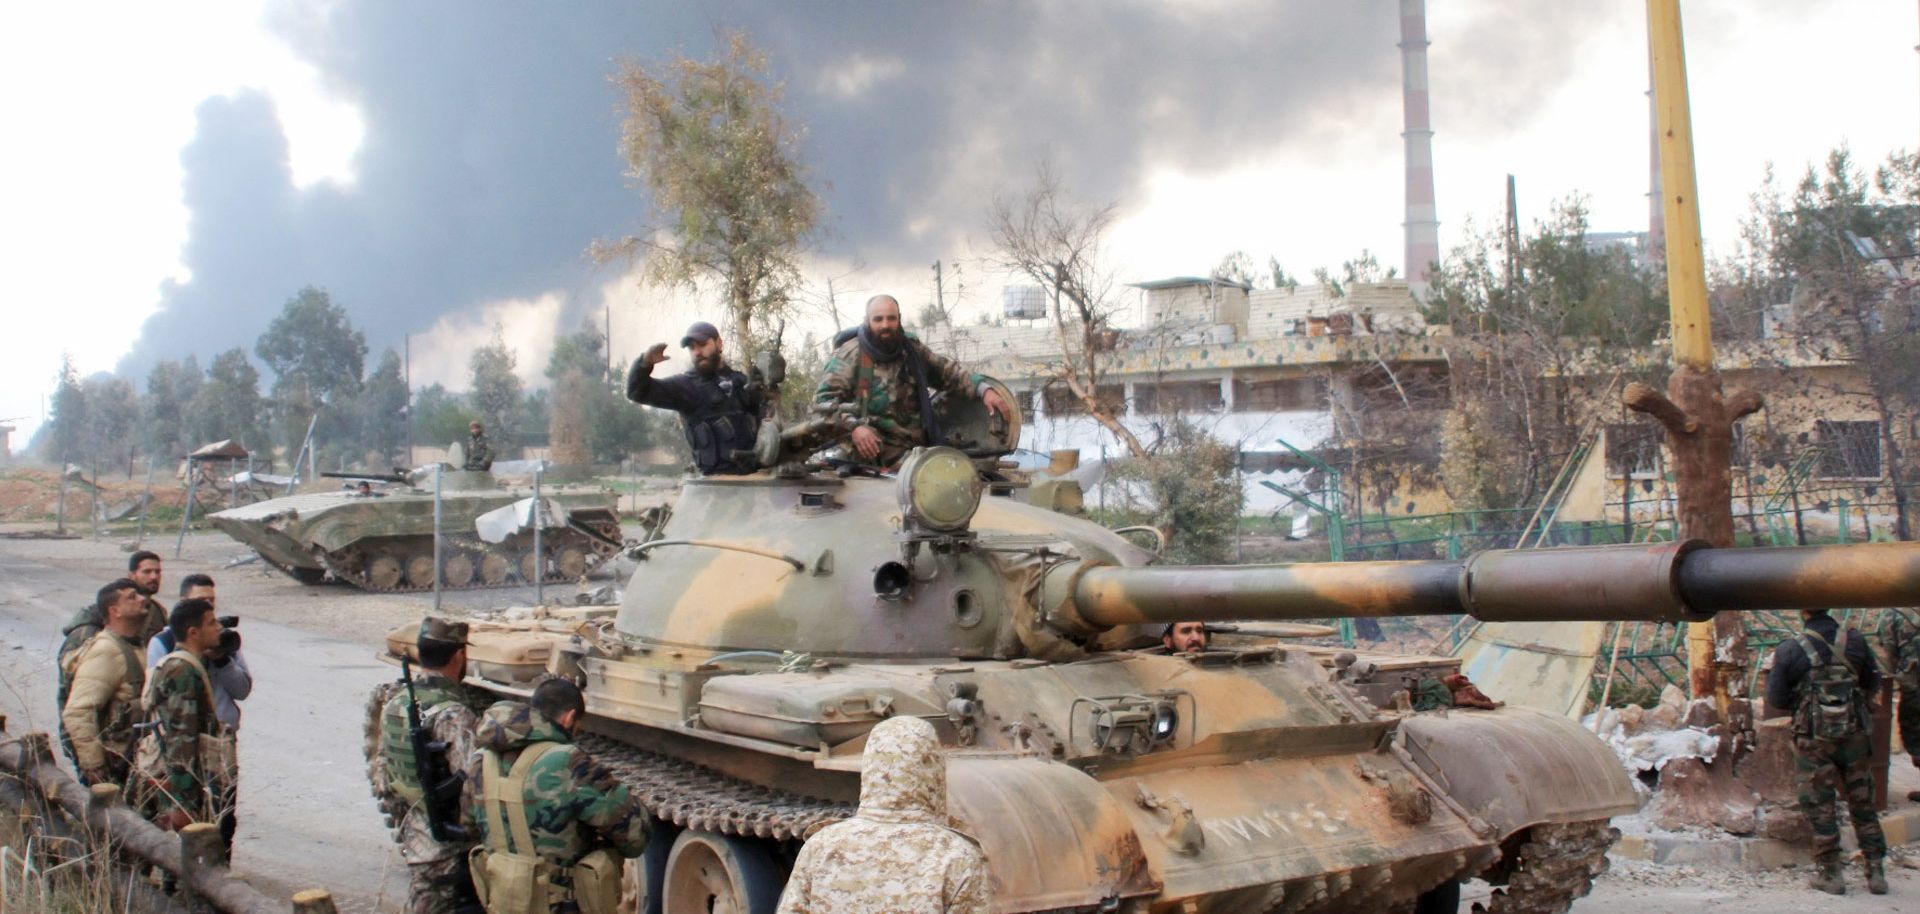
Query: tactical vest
{"x": 1832, "y": 707}
{"x": 508, "y": 873}
{"x": 214, "y": 750}
{"x": 721, "y": 423}
{"x": 116, "y": 728}
{"x": 1904, "y": 652}
{"x": 396, "y": 746}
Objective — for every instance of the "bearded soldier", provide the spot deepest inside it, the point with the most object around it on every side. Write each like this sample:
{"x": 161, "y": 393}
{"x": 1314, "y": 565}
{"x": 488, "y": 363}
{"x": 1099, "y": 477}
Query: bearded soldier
{"x": 889, "y": 378}
{"x": 719, "y": 407}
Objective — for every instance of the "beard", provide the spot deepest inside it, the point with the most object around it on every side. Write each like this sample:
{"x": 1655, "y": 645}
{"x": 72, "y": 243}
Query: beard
{"x": 707, "y": 364}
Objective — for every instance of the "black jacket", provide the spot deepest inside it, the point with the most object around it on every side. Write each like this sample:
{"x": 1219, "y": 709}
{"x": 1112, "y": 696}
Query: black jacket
{"x": 1790, "y": 665}
{"x": 720, "y": 413}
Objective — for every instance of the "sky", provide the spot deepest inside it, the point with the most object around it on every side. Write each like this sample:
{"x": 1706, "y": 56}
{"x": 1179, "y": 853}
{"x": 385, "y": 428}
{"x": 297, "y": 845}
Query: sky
{"x": 176, "y": 172}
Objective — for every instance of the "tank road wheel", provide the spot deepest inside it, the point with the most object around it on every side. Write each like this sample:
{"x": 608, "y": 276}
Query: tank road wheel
{"x": 570, "y": 563}
{"x": 494, "y": 569}
{"x": 420, "y": 570}
{"x": 641, "y": 879}
{"x": 457, "y": 570}
{"x": 714, "y": 874}
{"x": 384, "y": 572}
{"x": 528, "y": 566}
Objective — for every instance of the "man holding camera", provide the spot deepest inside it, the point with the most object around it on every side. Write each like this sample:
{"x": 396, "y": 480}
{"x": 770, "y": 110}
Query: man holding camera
{"x": 226, "y": 669}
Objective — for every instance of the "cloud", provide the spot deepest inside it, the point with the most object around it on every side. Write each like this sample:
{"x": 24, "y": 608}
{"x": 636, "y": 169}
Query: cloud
{"x": 489, "y": 162}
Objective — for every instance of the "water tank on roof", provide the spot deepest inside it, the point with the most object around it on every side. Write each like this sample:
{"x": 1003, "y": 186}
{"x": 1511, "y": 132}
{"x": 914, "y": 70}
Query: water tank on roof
{"x": 1024, "y": 303}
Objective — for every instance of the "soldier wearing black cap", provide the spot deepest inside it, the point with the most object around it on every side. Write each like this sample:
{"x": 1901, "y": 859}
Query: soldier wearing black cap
{"x": 719, "y": 407}
{"x": 437, "y": 869}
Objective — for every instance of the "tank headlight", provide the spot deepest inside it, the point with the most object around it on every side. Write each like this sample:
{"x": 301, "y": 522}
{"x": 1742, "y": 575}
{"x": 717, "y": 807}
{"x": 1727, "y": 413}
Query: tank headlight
{"x": 1166, "y": 721}
{"x": 939, "y": 489}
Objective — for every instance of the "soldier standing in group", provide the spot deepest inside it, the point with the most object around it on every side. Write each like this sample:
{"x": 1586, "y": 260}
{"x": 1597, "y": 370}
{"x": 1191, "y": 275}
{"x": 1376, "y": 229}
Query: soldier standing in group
{"x": 719, "y": 407}
{"x": 143, "y": 574}
{"x": 889, "y": 377}
{"x": 232, "y": 683}
{"x": 1900, "y": 637}
{"x": 1824, "y": 677}
{"x": 195, "y": 754}
{"x": 438, "y": 880}
{"x": 479, "y": 453}
{"x": 554, "y": 823}
{"x": 898, "y": 852}
{"x": 104, "y": 681}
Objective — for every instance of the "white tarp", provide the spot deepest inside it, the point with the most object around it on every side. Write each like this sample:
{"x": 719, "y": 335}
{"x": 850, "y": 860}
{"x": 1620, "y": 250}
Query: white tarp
{"x": 498, "y": 524}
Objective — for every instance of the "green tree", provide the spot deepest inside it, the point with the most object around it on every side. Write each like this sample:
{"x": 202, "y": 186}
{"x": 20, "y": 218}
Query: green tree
{"x": 440, "y": 416}
{"x": 66, "y": 434}
{"x": 1191, "y": 493}
{"x": 381, "y": 410}
{"x": 112, "y": 410}
{"x": 495, "y": 390}
{"x": 171, "y": 386}
{"x": 731, "y": 207}
{"x": 316, "y": 357}
{"x": 228, "y": 405}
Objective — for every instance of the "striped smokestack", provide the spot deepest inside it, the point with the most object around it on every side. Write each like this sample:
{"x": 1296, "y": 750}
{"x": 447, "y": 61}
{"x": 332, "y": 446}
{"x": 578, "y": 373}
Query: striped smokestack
{"x": 1423, "y": 220}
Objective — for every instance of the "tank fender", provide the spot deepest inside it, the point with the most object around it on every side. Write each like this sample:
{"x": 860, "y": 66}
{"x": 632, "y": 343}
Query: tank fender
{"x": 1029, "y": 815}
{"x": 1516, "y": 767}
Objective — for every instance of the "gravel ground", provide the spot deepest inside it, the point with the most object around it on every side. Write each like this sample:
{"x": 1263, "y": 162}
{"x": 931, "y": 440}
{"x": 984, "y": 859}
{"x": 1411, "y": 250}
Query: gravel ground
{"x": 306, "y": 819}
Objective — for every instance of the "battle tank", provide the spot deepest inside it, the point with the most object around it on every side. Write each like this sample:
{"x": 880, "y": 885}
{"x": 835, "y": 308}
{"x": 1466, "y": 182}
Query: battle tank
{"x": 382, "y": 540}
{"x": 774, "y": 619}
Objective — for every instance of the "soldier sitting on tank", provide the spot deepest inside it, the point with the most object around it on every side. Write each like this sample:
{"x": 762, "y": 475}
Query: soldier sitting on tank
{"x": 479, "y": 453}
{"x": 888, "y": 378}
{"x": 719, "y": 407}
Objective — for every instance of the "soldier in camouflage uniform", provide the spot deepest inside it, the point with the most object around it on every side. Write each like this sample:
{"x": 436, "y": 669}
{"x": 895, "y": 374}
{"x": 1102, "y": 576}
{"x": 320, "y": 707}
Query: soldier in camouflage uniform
{"x": 479, "y": 453}
{"x": 101, "y": 682}
{"x": 1900, "y": 638}
{"x": 438, "y": 880}
{"x": 1824, "y": 678}
{"x": 195, "y": 752}
{"x": 898, "y": 854}
{"x": 874, "y": 373}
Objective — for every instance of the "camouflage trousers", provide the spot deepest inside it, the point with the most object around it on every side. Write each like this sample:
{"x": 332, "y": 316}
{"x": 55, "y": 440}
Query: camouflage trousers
{"x": 1908, "y": 715}
{"x": 1827, "y": 771}
{"x": 441, "y": 887}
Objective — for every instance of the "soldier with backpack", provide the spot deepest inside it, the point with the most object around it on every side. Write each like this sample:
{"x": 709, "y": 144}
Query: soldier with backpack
{"x": 1900, "y": 638}
{"x": 1824, "y": 677}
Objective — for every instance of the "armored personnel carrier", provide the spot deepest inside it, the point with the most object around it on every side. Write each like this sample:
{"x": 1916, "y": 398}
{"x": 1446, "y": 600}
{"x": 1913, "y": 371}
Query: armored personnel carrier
{"x": 774, "y": 619}
{"x": 382, "y": 540}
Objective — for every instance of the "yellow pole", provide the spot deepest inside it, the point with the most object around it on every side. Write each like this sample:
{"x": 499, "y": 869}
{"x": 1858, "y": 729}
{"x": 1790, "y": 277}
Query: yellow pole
{"x": 1686, "y": 266}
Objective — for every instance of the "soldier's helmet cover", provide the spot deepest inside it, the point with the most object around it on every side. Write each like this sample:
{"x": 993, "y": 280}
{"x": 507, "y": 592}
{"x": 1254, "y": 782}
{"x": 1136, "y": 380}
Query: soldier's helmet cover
{"x": 445, "y": 631}
{"x": 904, "y": 777}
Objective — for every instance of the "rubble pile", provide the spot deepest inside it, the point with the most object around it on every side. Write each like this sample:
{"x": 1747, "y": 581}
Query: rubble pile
{"x": 1680, "y": 751}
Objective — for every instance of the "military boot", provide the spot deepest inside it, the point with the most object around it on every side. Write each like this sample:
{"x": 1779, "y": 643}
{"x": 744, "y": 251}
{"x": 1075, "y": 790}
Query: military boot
{"x": 1828, "y": 878}
{"x": 1877, "y": 875}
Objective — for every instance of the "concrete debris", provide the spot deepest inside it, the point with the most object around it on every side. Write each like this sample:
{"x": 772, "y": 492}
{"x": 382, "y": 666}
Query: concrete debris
{"x": 604, "y": 595}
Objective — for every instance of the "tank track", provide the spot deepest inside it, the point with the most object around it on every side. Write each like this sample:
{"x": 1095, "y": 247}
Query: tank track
{"x": 1555, "y": 866}
{"x": 690, "y": 796}
{"x": 598, "y": 553}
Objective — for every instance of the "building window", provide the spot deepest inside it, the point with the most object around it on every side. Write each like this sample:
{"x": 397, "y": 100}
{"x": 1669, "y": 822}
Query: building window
{"x": 1279, "y": 395}
{"x": 1848, "y": 450}
{"x": 1171, "y": 397}
{"x": 1058, "y": 399}
{"x": 1268, "y": 461}
{"x": 1633, "y": 450}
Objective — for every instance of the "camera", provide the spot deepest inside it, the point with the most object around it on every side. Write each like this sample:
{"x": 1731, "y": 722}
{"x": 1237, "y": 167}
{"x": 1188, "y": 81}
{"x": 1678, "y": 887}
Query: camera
{"x": 229, "y": 639}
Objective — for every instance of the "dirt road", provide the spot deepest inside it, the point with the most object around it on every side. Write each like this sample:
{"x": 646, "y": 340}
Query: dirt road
{"x": 306, "y": 818}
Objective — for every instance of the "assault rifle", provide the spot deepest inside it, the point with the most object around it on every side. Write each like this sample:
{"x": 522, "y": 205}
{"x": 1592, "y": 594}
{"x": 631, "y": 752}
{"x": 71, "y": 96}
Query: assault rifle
{"x": 439, "y": 786}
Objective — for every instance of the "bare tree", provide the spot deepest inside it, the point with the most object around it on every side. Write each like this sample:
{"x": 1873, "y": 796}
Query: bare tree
{"x": 1056, "y": 243}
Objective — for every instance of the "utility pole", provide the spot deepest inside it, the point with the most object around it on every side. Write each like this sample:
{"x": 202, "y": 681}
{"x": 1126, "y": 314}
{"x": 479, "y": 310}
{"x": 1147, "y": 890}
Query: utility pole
{"x": 407, "y": 361}
{"x": 1697, "y": 417}
{"x": 1513, "y": 234}
{"x": 940, "y": 291}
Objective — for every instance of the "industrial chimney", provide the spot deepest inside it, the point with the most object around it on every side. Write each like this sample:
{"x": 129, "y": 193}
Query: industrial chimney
{"x": 1423, "y": 220}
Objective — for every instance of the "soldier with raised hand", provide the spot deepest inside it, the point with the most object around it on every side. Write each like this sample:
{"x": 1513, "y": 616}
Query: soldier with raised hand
{"x": 890, "y": 377}
{"x": 104, "y": 680}
{"x": 898, "y": 852}
{"x": 1824, "y": 677}
{"x": 1900, "y": 638}
{"x": 719, "y": 407}
{"x": 551, "y": 818}
{"x": 438, "y": 880}
{"x": 195, "y": 758}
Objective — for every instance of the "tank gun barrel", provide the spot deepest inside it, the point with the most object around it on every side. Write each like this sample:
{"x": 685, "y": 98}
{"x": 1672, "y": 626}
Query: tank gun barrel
{"x": 1667, "y": 582}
